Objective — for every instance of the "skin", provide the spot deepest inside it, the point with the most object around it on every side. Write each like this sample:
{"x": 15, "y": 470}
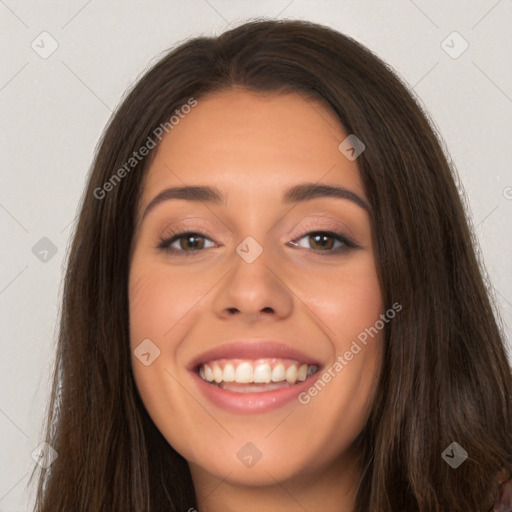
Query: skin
{"x": 252, "y": 147}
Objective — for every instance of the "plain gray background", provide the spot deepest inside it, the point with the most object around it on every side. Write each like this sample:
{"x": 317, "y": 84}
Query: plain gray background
{"x": 55, "y": 108}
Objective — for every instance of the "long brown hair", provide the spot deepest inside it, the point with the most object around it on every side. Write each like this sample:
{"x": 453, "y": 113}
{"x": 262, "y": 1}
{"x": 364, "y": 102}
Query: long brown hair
{"x": 445, "y": 372}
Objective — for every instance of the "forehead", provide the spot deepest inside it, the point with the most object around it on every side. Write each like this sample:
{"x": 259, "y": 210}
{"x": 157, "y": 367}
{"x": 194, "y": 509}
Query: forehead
{"x": 250, "y": 143}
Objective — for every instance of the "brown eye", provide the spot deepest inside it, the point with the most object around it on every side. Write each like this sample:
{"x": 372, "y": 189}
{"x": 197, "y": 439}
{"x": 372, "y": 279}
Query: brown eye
{"x": 321, "y": 241}
{"x": 325, "y": 241}
{"x": 191, "y": 241}
{"x": 185, "y": 242}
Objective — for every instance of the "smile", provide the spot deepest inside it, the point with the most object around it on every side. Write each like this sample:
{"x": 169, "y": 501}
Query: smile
{"x": 253, "y": 376}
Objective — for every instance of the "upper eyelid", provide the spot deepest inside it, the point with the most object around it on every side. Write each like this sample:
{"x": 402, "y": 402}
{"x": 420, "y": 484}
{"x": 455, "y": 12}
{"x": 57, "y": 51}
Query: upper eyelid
{"x": 178, "y": 232}
{"x": 337, "y": 228}
{"x": 311, "y": 223}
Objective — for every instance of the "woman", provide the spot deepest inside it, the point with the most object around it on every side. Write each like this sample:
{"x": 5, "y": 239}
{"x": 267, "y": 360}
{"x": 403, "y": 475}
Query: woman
{"x": 273, "y": 298}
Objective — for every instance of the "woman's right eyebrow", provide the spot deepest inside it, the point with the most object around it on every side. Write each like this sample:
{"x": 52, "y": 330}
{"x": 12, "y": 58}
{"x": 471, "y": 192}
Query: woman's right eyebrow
{"x": 298, "y": 193}
{"x": 187, "y": 193}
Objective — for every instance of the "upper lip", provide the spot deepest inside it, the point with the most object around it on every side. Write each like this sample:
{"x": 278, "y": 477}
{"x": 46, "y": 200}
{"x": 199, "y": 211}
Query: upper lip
{"x": 251, "y": 349}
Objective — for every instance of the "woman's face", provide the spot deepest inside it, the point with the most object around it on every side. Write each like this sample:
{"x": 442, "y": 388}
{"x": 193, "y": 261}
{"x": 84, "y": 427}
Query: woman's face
{"x": 271, "y": 282}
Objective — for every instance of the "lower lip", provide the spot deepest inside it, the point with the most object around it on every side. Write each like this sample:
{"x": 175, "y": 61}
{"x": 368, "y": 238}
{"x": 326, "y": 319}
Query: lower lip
{"x": 246, "y": 403}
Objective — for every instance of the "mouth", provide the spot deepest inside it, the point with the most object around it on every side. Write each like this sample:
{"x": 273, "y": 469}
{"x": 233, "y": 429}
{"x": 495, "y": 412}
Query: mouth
{"x": 253, "y": 376}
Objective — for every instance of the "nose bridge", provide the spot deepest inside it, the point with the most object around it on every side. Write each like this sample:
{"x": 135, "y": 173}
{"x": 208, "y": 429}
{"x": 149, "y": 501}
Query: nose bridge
{"x": 254, "y": 284}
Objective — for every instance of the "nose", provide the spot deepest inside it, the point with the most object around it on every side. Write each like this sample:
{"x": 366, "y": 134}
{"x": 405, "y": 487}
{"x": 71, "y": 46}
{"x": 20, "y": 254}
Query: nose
{"x": 254, "y": 291}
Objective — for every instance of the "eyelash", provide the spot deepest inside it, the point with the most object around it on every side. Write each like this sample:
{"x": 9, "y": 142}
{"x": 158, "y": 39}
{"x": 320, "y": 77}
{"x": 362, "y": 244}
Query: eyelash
{"x": 174, "y": 236}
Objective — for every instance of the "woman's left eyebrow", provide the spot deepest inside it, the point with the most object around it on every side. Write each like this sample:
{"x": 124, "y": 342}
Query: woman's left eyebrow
{"x": 309, "y": 191}
{"x": 298, "y": 193}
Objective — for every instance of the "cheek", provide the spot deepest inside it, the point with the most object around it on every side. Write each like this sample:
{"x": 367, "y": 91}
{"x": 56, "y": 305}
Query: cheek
{"x": 159, "y": 300}
{"x": 161, "y": 309}
{"x": 156, "y": 305}
{"x": 348, "y": 299}
{"x": 351, "y": 308}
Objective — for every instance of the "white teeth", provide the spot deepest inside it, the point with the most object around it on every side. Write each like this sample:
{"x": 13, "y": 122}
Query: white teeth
{"x": 244, "y": 373}
{"x": 262, "y": 373}
{"x": 208, "y": 374}
{"x": 278, "y": 373}
{"x": 302, "y": 372}
{"x": 258, "y": 372}
{"x": 291, "y": 374}
{"x": 217, "y": 373}
{"x": 229, "y": 373}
